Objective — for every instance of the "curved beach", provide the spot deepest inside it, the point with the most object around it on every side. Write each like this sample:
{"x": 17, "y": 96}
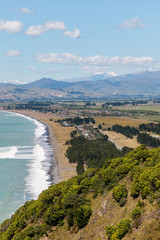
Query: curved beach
{"x": 58, "y": 135}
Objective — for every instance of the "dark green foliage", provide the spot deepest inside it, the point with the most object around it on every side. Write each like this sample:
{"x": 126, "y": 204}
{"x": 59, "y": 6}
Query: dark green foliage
{"x": 82, "y": 215}
{"x": 127, "y": 130}
{"x": 92, "y": 152}
{"x": 119, "y": 231}
{"x": 120, "y": 194}
{"x": 54, "y": 215}
{"x": 77, "y": 121}
{"x": 150, "y": 127}
{"x": 144, "y": 138}
{"x": 73, "y": 133}
{"x": 100, "y": 126}
{"x": 70, "y": 219}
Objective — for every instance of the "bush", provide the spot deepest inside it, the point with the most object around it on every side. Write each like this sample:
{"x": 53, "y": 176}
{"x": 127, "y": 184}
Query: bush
{"x": 120, "y": 192}
{"x": 136, "y": 213}
{"x": 123, "y": 227}
{"x": 82, "y": 215}
{"x": 110, "y": 230}
{"x": 53, "y": 216}
{"x": 119, "y": 231}
{"x": 135, "y": 189}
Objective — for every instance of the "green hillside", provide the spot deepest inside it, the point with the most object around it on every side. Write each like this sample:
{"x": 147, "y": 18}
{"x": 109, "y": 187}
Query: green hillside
{"x": 119, "y": 201}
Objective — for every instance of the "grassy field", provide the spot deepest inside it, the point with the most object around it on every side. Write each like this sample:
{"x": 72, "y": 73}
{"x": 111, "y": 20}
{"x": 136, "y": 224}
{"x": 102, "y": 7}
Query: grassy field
{"x": 110, "y": 121}
{"x": 155, "y": 108}
{"x": 143, "y": 112}
{"x": 119, "y": 139}
{"x": 122, "y": 140}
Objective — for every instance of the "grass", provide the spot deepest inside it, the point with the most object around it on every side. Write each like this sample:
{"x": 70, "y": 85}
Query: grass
{"x": 153, "y": 107}
{"x": 110, "y": 121}
{"x": 121, "y": 140}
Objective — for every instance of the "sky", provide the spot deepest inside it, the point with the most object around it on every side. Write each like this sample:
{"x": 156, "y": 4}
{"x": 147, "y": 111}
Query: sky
{"x": 63, "y": 39}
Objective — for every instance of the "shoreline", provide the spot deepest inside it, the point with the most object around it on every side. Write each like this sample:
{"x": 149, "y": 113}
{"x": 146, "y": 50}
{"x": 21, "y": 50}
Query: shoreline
{"x": 65, "y": 170}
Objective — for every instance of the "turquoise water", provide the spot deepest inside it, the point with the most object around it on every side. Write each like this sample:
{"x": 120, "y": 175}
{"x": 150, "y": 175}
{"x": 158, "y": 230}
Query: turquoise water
{"x": 26, "y": 158}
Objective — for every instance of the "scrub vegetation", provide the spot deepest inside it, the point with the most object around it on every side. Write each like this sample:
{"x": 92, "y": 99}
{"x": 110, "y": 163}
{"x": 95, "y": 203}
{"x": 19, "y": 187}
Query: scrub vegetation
{"x": 68, "y": 207}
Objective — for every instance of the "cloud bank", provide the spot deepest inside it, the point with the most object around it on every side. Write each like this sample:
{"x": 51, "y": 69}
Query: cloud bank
{"x": 10, "y": 26}
{"x": 98, "y": 60}
{"x": 48, "y": 26}
{"x": 12, "y": 53}
{"x": 74, "y": 34}
{"x": 133, "y": 23}
{"x": 26, "y": 10}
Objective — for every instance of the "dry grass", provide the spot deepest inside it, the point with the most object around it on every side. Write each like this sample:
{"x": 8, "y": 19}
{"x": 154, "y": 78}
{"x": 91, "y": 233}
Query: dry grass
{"x": 110, "y": 121}
{"x": 106, "y": 211}
{"x": 121, "y": 140}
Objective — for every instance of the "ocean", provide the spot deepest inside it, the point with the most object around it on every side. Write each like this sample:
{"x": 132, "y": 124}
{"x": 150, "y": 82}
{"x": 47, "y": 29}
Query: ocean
{"x": 26, "y": 161}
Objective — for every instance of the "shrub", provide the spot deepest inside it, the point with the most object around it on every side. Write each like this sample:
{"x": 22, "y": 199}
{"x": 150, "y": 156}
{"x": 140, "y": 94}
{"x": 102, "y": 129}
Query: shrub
{"x": 135, "y": 189}
{"x": 123, "y": 227}
{"x": 110, "y": 230}
{"x": 140, "y": 203}
{"x": 53, "y": 217}
{"x": 120, "y": 192}
{"x": 70, "y": 219}
{"x": 118, "y": 231}
{"x": 136, "y": 213}
{"x": 82, "y": 215}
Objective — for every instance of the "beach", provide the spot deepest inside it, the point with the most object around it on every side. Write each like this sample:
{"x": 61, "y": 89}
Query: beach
{"x": 58, "y": 135}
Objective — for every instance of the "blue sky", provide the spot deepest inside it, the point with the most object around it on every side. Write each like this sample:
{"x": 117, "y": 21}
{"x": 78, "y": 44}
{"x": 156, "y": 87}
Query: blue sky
{"x": 69, "y": 38}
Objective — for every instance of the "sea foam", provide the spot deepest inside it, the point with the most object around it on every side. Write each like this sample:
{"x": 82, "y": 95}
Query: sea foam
{"x": 8, "y": 152}
{"x": 41, "y": 160}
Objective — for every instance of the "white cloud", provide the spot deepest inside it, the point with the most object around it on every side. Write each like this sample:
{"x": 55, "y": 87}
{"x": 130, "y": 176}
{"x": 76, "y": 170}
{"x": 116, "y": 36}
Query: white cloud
{"x": 26, "y": 10}
{"x": 32, "y": 68}
{"x": 64, "y": 58}
{"x": 10, "y": 26}
{"x": 48, "y": 26}
{"x": 112, "y": 74}
{"x": 133, "y": 23}
{"x": 56, "y": 25}
{"x": 12, "y": 53}
{"x": 74, "y": 34}
{"x": 67, "y": 58}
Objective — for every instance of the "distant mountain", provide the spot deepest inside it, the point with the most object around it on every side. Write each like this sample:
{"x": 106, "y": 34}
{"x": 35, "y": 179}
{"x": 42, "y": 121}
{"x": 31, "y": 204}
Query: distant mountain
{"x": 136, "y": 84}
{"x": 47, "y": 83}
{"x": 94, "y": 77}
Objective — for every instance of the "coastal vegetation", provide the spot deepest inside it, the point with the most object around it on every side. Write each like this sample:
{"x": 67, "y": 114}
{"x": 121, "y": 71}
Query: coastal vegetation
{"x": 144, "y": 138}
{"x": 130, "y": 182}
{"x": 92, "y": 153}
{"x": 76, "y": 121}
{"x": 127, "y": 130}
{"x": 150, "y": 127}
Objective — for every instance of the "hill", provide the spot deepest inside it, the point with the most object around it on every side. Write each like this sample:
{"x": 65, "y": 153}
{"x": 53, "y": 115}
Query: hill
{"x": 129, "y": 85}
{"x": 119, "y": 201}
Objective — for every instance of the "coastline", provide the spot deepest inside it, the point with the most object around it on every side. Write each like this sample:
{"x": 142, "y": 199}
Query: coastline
{"x": 57, "y": 138}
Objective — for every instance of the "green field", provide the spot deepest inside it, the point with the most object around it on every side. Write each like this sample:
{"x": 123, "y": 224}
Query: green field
{"x": 144, "y": 112}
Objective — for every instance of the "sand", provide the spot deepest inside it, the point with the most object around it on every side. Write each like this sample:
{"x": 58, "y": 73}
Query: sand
{"x": 58, "y": 135}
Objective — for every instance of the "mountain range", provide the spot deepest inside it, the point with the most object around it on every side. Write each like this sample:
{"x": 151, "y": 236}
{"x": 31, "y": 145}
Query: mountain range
{"x": 96, "y": 86}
